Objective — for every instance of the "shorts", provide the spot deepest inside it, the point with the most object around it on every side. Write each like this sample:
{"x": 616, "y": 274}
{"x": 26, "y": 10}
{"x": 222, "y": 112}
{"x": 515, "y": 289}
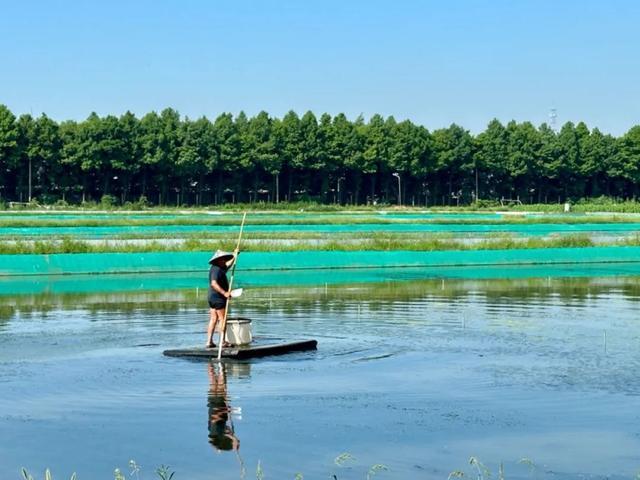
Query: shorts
{"x": 217, "y": 303}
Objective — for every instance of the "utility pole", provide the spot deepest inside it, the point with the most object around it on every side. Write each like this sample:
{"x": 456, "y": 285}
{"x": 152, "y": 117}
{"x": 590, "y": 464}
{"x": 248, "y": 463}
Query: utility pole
{"x": 476, "y": 199}
{"x": 339, "y": 199}
{"x": 29, "y": 179}
{"x": 397, "y": 175}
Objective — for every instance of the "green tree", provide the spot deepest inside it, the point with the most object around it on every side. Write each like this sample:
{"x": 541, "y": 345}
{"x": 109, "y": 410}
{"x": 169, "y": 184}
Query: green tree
{"x": 453, "y": 149}
{"x": 409, "y": 154}
{"x": 548, "y": 166}
{"x": 626, "y": 164}
{"x": 128, "y": 164}
{"x": 42, "y": 147}
{"x": 289, "y": 136}
{"x": 490, "y": 159}
{"x": 355, "y": 163}
{"x": 342, "y": 149}
{"x": 168, "y": 158}
{"x": 322, "y": 167}
{"x": 98, "y": 147}
{"x": 262, "y": 142}
{"x": 8, "y": 149}
{"x": 568, "y": 160}
{"x": 375, "y": 150}
{"x": 309, "y": 151}
{"x": 74, "y": 179}
{"x": 228, "y": 144}
{"x": 522, "y": 157}
{"x": 197, "y": 155}
{"x": 159, "y": 140}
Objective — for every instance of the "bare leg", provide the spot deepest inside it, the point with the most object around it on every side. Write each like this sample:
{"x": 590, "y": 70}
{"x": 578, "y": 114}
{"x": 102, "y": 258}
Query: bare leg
{"x": 213, "y": 320}
{"x": 220, "y": 314}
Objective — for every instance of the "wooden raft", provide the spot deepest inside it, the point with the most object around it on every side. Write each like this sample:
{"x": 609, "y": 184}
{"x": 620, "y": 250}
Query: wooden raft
{"x": 242, "y": 353}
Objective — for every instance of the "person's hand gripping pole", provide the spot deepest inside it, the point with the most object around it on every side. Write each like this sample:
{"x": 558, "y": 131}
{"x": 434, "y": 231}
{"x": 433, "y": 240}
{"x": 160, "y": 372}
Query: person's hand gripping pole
{"x": 223, "y": 326}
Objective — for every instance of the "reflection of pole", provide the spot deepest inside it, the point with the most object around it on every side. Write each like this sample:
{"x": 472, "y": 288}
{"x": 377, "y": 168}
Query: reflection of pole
{"x": 397, "y": 175}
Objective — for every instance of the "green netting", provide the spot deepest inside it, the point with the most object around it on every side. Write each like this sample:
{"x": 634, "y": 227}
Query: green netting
{"x": 283, "y": 278}
{"x": 101, "y": 263}
{"x": 296, "y": 215}
{"x": 163, "y": 230}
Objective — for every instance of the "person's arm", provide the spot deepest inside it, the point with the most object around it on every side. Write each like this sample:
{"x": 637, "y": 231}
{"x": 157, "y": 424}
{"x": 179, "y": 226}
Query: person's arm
{"x": 236, "y": 252}
{"x": 219, "y": 289}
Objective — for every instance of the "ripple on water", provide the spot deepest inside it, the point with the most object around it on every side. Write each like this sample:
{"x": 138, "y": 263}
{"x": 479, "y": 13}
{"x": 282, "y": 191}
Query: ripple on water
{"x": 427, "y": 371}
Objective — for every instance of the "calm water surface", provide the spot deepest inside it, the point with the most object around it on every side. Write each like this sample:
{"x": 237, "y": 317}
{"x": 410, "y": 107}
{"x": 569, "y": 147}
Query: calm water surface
{"x": 418, "y": 376}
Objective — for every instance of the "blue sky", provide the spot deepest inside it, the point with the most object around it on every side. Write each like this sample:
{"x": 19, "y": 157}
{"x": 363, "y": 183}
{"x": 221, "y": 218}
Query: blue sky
{"x": 433, "y": 62}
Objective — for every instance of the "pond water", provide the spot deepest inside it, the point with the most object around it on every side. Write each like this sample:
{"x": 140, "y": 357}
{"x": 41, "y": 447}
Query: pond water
{"x": 418, "y": 376}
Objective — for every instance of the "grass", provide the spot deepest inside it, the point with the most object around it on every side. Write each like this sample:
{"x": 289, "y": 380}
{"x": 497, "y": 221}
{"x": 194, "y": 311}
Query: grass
{"x": 478, "y": 470}
{"x": 165, "y": 472}
{"x": 375, "y": 242}
{"x": 595, "y": 204}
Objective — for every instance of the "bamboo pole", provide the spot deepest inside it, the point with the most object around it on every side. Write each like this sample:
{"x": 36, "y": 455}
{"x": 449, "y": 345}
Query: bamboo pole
{"x": 223, "y": 327}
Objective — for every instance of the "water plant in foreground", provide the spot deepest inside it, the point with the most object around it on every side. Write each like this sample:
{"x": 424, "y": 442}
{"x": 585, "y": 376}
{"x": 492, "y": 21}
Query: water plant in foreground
{"x": 345, "y": 460}
{"x": 47, "y": 475}
{"x": 164, "y": 472}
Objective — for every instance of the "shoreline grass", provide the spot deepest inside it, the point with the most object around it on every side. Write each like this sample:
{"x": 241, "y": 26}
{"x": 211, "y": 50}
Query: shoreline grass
{"x": 373, "y": 243}
{"x": 584, "y": 205}
{"x": 304, "y": 219}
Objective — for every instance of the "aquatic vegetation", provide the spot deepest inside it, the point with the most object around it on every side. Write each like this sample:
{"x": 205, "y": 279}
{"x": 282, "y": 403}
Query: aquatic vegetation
{"x": 482, "y": 472}
{"x": 374, "y": 469}
{"x": 164, "y": 472}
{"x": 375, "y": 242}
{"x": 135, "y": 469}
{"x": 259, "y": 471}
{"x": 528, "y": 462}
{"x": 47, "y": 475}
{"x": 456, "y": 474}
{"x": 481, "y": 469}
{"x": 343, "y": 458}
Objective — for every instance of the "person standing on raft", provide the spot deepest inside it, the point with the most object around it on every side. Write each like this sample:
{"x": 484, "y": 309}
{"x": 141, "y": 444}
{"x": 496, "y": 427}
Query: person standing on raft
{"x": 218, "y": 291}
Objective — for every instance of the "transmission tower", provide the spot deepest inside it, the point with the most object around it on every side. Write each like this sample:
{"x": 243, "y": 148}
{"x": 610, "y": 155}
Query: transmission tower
{"x": 553, "y": 117}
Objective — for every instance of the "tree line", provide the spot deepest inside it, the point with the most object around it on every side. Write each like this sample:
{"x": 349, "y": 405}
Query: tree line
{"x": 169, "y": 160}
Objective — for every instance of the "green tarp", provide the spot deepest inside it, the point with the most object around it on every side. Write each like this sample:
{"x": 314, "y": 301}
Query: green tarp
{"x": 101, "y": 263}
{"x": 533, "y": 229}
{"x": 21, "y": 285}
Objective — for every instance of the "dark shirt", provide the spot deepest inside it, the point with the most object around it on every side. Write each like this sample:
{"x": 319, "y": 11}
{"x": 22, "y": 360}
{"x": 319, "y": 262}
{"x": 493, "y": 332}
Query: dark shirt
{"x": 220, "y": 276}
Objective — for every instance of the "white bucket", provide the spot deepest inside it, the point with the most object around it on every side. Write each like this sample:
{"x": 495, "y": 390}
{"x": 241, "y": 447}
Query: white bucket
{"x": 239, "y": 331}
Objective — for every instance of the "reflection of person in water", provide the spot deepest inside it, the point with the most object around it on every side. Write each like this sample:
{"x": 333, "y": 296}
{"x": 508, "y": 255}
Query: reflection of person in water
{"x": 221, "y": 432}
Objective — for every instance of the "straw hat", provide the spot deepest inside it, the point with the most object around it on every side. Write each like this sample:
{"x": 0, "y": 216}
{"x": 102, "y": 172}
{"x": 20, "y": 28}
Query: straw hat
{"x": 221, "y": 254}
